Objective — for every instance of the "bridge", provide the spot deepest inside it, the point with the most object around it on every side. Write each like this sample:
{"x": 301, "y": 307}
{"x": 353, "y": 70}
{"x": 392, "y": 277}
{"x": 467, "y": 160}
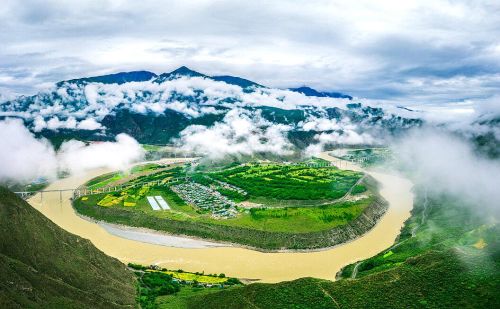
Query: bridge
{"x": 83, "y": 191}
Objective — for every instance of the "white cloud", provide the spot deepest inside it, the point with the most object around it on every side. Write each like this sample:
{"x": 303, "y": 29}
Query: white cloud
{"x": 192, "y": 96}
{"x": 346, "y": 137}
{"x": 445, "y": 163}
{"x": 76, "y": 156}
{"x": 24, "y": 158}
{"x": 89, "y": 124}
{"x": 240, "y": 133}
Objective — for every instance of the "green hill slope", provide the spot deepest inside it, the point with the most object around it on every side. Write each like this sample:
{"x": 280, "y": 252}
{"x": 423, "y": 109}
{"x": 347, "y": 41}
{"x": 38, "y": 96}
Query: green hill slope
{"x": 448, "y": 256}
{"x": 43, "y": 266}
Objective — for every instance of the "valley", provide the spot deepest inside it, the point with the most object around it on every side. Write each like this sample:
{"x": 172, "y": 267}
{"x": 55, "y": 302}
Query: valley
{"x": 249, "y": 155}
{"x": 233, "y": 261}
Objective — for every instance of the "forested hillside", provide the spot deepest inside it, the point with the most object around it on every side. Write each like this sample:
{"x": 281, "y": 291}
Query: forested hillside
{"x": 43, "y": 266}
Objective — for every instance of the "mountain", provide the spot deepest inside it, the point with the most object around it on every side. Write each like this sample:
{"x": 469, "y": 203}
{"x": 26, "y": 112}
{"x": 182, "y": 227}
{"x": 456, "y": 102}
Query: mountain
{"x": 180, "y": 72}
{"x": 118, "y": 78}
{"x": 310, "y": 92}
{"x": 237, "y": 81}
{"x": 43, "y": 266}
{"x": 156, "y": 109}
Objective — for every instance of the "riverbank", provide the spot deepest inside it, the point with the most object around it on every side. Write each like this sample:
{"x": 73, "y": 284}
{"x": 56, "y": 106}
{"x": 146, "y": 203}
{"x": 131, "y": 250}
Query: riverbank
{"x": 237, "y": 262}
{"x": 162, "y": 238}
{"x": 242, "y": 236}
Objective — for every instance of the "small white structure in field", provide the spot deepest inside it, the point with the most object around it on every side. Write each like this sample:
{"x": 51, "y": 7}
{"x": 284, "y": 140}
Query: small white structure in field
{"x": 162, "y": 202}
{"x": 153, "y": 203}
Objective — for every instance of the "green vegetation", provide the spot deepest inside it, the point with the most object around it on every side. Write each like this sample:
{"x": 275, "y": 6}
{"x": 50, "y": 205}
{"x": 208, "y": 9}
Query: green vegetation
{"x": 369, "y": 156}
{"x": 258, "y": 233}
{"x": 135, "y": 174}
{"x": 271, "y": 225}
{"x": 104, "y": 180}
{"x": 144, "y": 168}
{"x": 152, "y": 285}
{"x": 301, "y": 219}
{"x": 289, "y": 182}
{"x": 151, "y": 148}
{"x": 433, "y": 226}
{"x": 155, "y": 284}
{"x": 448, "y": 256}
{"x": 196, "y": 277}
{"x": 43, "y": 266}
{"x": 180, "y": 299}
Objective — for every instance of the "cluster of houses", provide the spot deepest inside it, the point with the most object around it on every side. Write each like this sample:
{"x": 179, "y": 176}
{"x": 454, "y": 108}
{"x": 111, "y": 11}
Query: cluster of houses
{"x": 207, "y": 199}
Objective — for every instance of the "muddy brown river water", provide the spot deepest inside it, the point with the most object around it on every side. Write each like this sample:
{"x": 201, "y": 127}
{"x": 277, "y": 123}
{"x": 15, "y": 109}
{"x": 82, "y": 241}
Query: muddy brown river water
{"x": 235, "y": 261}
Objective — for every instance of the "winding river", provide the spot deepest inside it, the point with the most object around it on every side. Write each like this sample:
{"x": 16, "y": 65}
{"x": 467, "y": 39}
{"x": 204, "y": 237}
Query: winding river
{"x": 180, "y": 253}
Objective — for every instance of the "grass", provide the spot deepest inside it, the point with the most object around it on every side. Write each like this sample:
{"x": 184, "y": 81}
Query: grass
{"x": 110, "y": 178}
{"x": 286, "y": 220}
{"x": 144, "y": 168}
{"x": 369, "y": 156}
{"x": 438, "y": 231}
{"x": 153, "y": 285}
{"x": 448, "y": 256}
{"x": 307, "y": 228}
{"x": 180, "y": 299}
{"x": 300, "y": 219}
{"x": 104, "y": 180}
{"x": 152, "y": 148}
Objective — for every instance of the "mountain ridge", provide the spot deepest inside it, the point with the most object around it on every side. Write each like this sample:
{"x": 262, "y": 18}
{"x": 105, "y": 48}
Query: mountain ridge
{"x": 184, "y": 71}
{"x": 100, "y": 107}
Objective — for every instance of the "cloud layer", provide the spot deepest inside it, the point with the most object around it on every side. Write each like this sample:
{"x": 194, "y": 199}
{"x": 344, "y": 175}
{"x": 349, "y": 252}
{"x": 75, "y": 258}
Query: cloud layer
{"x": 24, "y": 158}
{"x": 83, "y": 106}
{"x": 420, "y": 52}
{"x": 240, "y": 133}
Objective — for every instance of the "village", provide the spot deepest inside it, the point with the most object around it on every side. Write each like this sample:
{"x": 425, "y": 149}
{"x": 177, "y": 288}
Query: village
{"x": 206, "y": 198}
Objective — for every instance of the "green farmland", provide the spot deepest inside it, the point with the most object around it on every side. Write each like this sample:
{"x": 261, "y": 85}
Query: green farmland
{"x": 290, "y": 182}
{"x": 270, "y": 201}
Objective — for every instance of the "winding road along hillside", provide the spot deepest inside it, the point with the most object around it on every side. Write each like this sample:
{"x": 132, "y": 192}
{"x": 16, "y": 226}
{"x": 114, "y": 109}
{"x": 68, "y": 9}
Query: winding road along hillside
{"x": 234, "y": 261}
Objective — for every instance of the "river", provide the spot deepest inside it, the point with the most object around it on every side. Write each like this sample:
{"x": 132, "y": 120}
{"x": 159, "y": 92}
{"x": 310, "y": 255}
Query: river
{"x": 233, "y": 261}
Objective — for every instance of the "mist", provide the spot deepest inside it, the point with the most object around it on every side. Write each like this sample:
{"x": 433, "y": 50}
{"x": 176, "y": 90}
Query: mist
{"x": 24, "y": 158}
{"x": 445, "y": 163}
{"x": 240, "y": 133}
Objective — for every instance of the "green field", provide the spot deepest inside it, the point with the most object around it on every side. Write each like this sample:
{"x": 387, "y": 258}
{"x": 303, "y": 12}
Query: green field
{"x": 310, "y": 218}
{"x": 111, "y": 178}
{"x": 290, "y": 182}
{"x": 285, "y": 219}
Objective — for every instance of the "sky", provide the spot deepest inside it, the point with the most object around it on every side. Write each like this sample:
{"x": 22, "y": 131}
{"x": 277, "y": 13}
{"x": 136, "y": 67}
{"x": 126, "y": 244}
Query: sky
{"x": 429, "y": 52}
